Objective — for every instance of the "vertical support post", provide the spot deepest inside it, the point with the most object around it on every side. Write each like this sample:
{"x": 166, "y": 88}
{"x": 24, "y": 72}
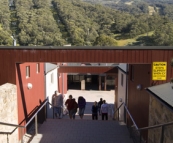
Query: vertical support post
{"x": 53, "y": 113}
{"x": 140, "y": 137}
{"x": 105, "y": 83}
{"x": 36, "y": 126}
{"x": 162, "y": 134}
{"x": 7, "y": 139}
{"x": 99, "y": 82}
{"x": 45, "y": 111}
{"x": 118, "y": 114}
{"x": 62, "y": 83}
{"x": 116, "y": 91}
{"x": 14, "y": 42}
{"x": 21, "y": 134}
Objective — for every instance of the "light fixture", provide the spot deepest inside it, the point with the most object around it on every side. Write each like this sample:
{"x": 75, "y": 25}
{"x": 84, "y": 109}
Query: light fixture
{"x": 29, "y": 86}
{"x": 139, "y": 87}
{"x": 120, "y": 100}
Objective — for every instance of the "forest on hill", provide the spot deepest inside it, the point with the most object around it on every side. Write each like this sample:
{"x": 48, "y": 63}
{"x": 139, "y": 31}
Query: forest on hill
{"x": 79, "y": 23}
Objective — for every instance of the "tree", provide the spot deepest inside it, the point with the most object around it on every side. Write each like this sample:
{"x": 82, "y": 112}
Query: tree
{"x": 163, "y": 35}
{"x": 104, "y": 40}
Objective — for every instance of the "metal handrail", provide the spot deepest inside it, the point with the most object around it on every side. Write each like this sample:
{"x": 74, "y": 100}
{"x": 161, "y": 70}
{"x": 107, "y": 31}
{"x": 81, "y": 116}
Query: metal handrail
{"x": 128, "y": 113}
{"x": 131, "y": 117}
{"x": 14, "y": 125}
{"x": 44, "y": 103}
{"x": 155, "y": 126}
{"x": 119, "y": 107}
{"x": 19, "y": 126}
{"x": 145, "y": 128}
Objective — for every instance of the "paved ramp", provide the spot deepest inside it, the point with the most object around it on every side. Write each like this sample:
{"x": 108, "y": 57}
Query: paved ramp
{"x": 82, "y": 131}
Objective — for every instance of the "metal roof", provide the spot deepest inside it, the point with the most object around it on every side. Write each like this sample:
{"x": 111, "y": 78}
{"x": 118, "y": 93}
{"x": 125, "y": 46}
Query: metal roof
{"x": 164, "y": 92}
{"x": 87, "y": 47}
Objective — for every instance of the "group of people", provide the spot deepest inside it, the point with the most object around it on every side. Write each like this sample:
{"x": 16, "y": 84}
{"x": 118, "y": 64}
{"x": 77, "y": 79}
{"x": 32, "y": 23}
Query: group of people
{"x": 72, "y": 106}
{"x": 100, "y": 108}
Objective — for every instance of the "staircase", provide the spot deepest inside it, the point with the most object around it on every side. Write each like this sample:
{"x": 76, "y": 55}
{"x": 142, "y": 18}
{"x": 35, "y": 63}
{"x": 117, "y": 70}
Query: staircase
{"x": 82, "y": 131}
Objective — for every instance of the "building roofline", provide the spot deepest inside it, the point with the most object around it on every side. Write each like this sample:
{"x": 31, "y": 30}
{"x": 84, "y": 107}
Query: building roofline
{"x": 88, "y": 47}
{"x": 159, "y": 99}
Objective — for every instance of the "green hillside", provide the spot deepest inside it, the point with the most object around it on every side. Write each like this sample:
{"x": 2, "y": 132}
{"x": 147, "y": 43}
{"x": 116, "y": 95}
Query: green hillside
{"x": 58, "y": 22}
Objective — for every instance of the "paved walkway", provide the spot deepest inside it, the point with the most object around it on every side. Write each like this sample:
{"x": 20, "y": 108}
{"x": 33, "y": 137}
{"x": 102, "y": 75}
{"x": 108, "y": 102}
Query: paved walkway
{"x": 82, "y": 131}
{"x": 86, "y": 130}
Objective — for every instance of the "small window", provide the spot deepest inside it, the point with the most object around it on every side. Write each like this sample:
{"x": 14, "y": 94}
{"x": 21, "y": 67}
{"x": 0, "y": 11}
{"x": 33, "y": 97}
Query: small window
{"x": 122, "y": 79}
{"x": 132, "y": 73}
{"x": 38, "y": 68}
{"x": 27, "y": 71}
{"x": 52, "y": 78}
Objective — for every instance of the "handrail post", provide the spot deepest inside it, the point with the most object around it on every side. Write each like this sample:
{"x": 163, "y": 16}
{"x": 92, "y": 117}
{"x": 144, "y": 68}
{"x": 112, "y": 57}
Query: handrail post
{"x": 36, "y": 126}
{"x": 118, "y": 114}
{"x": 7, "y": 139}
{"x": 162, "y": 134}
{"x": 21, "y": 133}
{"x": 53, "y": 112}
{"x": 45, "y": 112}
{"x": 140, "y": 137}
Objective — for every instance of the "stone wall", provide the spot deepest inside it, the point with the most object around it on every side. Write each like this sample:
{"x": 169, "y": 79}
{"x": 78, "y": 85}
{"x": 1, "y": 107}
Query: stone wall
{"x": 8, "y": 112}
{"x": 158, "y": 114}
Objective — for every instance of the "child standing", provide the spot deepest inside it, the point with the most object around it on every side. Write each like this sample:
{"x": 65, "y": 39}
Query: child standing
{"x": 95, "y": 111}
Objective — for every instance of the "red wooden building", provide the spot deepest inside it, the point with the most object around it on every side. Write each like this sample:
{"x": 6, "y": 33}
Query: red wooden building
{"x": 139, "y": 59}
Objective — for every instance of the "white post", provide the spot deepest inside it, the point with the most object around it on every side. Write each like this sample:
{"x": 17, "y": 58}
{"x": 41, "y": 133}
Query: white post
{"x": 14, "y": 41}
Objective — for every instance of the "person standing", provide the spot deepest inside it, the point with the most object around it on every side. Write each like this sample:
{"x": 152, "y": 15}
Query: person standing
{"x": 57, "y": 102}
{"x": 70, "y": 103}
{"x": 74, "y": 110}
{"x": 104, "y": 110}
{"x": 95, "y": 111}
{"x": 99, "y": 105}
{"x": 81, "y": 105}
{"x": 103, "y": 85}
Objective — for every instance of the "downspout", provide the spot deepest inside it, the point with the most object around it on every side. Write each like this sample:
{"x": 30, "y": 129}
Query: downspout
{"x": 63, "y": 84}
{"x": 126, "y": 95}
{"x": 45, "y": 90}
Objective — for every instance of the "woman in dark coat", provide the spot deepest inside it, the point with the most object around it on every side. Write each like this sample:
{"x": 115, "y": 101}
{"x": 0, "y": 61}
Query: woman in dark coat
{"x": 81, "y": 105}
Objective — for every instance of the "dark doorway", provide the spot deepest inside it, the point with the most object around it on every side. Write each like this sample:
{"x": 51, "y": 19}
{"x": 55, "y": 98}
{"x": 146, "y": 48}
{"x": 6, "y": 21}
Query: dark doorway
{"x": 91, "y": 82}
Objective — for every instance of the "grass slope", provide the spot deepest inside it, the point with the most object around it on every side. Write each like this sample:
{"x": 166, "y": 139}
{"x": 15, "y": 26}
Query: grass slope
{"x": 125, "y": 42}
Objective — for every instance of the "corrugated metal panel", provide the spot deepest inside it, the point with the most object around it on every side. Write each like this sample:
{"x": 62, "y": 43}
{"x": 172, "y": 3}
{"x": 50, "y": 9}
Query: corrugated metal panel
{"x": 110, "y": 56}
{"x": 10, "y": 55}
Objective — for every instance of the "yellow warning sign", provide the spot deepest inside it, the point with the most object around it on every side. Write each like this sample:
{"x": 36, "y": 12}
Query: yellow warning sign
{"x": 159, "y": 71}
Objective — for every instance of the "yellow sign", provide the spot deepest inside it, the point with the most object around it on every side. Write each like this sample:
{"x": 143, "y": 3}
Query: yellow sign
{"x": 159, "y": 70}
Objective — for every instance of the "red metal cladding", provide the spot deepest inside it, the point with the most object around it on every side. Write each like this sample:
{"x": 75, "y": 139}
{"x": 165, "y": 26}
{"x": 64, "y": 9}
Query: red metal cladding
{"x": 10, "y": 56}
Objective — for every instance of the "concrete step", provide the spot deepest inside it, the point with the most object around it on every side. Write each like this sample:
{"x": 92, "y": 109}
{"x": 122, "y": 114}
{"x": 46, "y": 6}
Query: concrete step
{"x": 82, "y": 131}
